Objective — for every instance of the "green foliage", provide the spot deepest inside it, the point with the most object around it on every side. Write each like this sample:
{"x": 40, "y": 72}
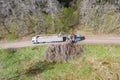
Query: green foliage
{"x": 48, "y": 27}
{"x": 64, "y": 21}
{"x": 69, "y": 18}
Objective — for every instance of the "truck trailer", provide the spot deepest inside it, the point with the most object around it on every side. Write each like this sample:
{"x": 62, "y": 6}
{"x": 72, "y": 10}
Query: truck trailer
{"x": 37, "y": 39}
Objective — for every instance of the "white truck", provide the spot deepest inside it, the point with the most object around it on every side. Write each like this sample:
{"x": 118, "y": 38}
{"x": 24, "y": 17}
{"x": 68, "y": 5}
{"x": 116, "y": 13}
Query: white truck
{"x": 70, "y": 38}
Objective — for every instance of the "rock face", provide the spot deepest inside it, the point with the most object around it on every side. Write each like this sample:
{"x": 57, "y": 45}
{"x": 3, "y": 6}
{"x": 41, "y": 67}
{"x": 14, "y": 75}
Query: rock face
{"x": 62, "y": 52}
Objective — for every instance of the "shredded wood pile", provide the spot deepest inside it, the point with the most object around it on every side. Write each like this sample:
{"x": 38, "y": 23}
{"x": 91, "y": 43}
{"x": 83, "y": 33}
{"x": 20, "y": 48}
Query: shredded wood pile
{"x": 62, "y": 52}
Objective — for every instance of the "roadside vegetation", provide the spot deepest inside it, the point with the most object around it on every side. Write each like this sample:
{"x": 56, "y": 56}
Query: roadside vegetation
{"x": 24, "y": 17}
{"x": 99, "y": 62}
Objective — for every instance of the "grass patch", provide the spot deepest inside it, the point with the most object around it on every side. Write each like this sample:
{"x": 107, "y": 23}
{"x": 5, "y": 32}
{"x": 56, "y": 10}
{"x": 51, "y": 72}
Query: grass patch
{"x": 99, "y": 62}
{"x": 102, "y": 51}
{"x": 16, "y": 61}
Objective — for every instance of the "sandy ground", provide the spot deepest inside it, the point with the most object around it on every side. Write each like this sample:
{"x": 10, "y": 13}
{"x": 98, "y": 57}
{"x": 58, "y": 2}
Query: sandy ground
{"x": 88, "y": 40}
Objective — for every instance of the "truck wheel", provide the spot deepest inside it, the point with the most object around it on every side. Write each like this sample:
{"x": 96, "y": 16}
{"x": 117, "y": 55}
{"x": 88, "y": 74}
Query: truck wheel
{"x": 33, "y": 42}
{"x": 83, "y": 38}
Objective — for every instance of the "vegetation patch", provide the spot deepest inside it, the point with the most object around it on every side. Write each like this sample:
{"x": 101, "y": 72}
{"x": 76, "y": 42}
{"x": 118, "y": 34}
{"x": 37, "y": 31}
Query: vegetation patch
{"x": 54, "y": 16}
{"x": 99, "y": 62}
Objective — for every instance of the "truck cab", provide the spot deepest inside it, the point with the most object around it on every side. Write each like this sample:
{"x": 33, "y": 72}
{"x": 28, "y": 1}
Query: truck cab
{"x": 35, "y": 40}
{"x": 78, "y": 37}
{"x": 74, "y": 38}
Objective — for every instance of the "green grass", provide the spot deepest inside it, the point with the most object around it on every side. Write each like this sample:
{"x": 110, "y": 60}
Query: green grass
{"x": 98, "y": 62}
{"x": 102, "y": 51}
{"x": 15, "y": 61}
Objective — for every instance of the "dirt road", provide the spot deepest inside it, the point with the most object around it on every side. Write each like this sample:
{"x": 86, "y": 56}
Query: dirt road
{"x": 88, "y": 40}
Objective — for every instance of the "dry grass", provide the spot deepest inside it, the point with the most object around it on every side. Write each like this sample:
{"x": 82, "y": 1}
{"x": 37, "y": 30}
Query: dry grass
{"x": 106, "y": 69}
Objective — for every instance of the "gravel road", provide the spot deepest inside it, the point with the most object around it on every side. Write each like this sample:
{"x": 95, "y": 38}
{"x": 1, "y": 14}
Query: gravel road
{"x": 88, "y": 40}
